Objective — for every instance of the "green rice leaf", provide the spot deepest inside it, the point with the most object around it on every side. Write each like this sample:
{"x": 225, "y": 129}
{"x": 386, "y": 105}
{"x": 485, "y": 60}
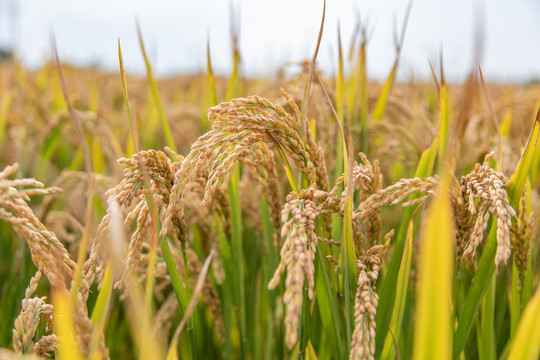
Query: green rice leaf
{"x": 326, "y": 302}
{"x": 176, "y": 282}
{"x": 305, "y": 98}
{"x": 487, "y": 341}
{"x": 101, "y": 309}
{"x": 238, "y": 254}
{"x": 132, "y": 129}
{"x": 348, "y": 254}
{"x": 515, "y": 301}
{"x": 211, "y": 78}
{"x": 401, "y": 296}
{"x": 169, "y": 140}
{"x": 234, "y": 81}
{"x": 172, "y": 353}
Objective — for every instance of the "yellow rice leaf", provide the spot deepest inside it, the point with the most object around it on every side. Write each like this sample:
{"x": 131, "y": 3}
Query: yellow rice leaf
{"x": 4, "y": 108}
{"x": 433, "y": 328}
{"x": 310, "y": 352}
{"x": 444, "y": 116}
{"x": 506, "y": 122}
{"x": 385, "y": 94}
{"x": 68, "y": 348}
{"x": 526, "y": 343}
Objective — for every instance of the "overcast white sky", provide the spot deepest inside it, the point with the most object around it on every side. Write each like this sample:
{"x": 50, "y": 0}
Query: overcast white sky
{"x": 278, "y": 31}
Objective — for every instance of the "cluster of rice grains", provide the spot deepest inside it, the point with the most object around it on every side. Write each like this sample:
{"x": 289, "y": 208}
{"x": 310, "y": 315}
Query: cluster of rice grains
{"x": 34, "y": 309}
{"x": 366, "y": 301}
{"x": 488, "y": 186}
{"x": 52, "y": 259}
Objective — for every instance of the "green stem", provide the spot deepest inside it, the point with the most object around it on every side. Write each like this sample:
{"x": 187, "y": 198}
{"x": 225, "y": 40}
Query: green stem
{"x": 238, "y": 247}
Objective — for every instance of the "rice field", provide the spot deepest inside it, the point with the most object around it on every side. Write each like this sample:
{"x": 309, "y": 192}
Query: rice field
{"x": 292, "y": 217}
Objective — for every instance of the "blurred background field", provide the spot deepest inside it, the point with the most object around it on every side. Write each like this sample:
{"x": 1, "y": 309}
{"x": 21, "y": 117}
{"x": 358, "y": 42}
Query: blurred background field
{"x": 275, "y": 34}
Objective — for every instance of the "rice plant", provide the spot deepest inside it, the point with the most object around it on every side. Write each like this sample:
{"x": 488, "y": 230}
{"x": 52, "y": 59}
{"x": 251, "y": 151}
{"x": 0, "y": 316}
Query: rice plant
{"x": 204, "y": 217}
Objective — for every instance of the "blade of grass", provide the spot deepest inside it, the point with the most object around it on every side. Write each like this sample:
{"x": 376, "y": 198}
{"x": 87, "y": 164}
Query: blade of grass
{"x": 380, "y": 106}
{"x": 351, "y": 87}
{"x": 149, "y": 137}
{"x": 401, "y": 296}
{"x": 363, "y": 80}
{"x": 525, "y": 345}
{"x": 487, "y": 342}
{"x": 238, "y": 255}
{"x": 68, "y": 348}
{"x": 210, "y": 74}
{"x": 228, "y": 286}
{"x": 341, "y": 133}
{"x": 197, "y": 291}
{"x": 348, "y": 255}
{"x": 328, "y": 308}
{"x": 234, "y": 81}
{"x": 286, "y": 165}
{"x": 101, "y": 310}
{"x": 339, "y": 110}
{"x": 178, "y": 287}
{"x": 444, "y": 120}
{"x": 495, "y": 120}
{"x": 98, "y": 159}
{"x": 4, "y": 109}
{"x": 169, "y": 140}
{"x": 311, "y": 354}
{"x": 433, "y": 330}
{"x": 519, "y": 177}
{"x": 132, "y": 129}
{"x": 307, "y": 87}
{"x": 267, "y": 298}
{"x": 515, "y": 301}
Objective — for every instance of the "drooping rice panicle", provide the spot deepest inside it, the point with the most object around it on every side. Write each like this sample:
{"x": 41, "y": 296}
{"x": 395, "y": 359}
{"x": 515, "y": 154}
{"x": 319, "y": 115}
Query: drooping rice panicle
{"x": 394, "y": 194}
{"x": 26, "y": 337}
{"x": 366, "y": 301}
{"x": 48, "y": 254}
{"x": 489, "y": 187}
{"x": 297, "y": 256}
{"x": 521, "y": 237}
{"x": 238, "y": 127}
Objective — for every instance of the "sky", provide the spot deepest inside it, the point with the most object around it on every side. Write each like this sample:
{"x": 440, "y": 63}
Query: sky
{"x": 279, "y": 32}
